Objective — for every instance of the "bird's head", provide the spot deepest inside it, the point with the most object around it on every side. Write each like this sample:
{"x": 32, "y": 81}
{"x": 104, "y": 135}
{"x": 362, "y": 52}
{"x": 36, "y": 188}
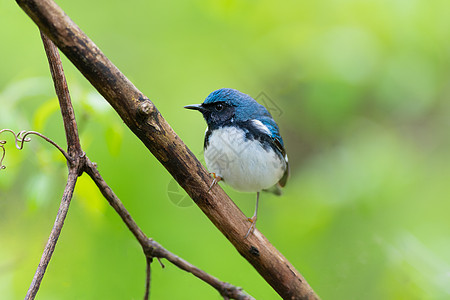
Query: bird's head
{"x": 227, "y": 106}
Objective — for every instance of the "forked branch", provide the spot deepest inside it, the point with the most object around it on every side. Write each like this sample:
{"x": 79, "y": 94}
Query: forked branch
{"x": 153, "y": 249}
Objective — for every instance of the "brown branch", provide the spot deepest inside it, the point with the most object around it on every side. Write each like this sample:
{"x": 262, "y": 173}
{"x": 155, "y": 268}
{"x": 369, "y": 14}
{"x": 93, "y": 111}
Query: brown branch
{"x": 54, "y": 235}
{"x": 114, "y": 201}
{"x": 148, "y": 277}
{"x": 226, "y": 289}
{"x": 142, "y": 117}
{"x": 62, "y": 91}
{"x": 75, "y": 161}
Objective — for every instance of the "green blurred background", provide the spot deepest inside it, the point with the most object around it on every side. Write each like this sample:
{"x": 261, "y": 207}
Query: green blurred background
{"x": 359, "y": 89}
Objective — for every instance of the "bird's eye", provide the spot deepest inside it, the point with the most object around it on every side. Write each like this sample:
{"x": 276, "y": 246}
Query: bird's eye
{"x": 219, "y": 107}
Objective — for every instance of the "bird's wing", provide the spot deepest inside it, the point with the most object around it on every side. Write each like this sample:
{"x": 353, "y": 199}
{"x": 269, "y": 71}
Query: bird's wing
{"x": 277, "y": 141}
{"x": 283, "y": 179}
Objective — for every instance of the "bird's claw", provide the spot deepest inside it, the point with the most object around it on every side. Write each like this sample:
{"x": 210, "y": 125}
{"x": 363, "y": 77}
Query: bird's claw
{"x": 252, "y": 227}
{"x": 215, "y": 180}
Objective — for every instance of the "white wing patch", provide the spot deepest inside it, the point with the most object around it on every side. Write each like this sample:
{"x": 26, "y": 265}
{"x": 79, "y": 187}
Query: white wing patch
{"x": 260, "y": 126}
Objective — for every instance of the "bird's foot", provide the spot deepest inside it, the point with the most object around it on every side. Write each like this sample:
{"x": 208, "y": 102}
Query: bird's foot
{"x": 215, "y": 180}
{"x": 252, "y": 227}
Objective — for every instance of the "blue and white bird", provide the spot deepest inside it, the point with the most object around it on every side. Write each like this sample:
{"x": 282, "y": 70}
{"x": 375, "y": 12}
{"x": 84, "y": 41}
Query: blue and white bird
{"x": 243, "y": 146}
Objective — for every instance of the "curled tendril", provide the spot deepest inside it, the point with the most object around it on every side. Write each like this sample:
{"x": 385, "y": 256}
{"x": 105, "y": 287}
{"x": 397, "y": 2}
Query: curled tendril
{"x": 21, "y": 138}
{"x": 3, "y": 155}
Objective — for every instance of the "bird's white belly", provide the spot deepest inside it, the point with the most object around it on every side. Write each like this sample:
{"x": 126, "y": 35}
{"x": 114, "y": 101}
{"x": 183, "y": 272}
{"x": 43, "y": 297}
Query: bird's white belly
{"x": 243, "y": 164}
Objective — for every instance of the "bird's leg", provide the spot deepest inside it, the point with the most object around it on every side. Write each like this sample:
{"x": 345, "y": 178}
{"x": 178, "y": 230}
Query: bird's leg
{"x": 254, "y": 218}
{"x": 216, "y": 180}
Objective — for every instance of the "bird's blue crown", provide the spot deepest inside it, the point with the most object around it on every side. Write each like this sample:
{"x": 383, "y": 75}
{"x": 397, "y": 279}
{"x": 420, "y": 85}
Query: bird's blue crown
{"x": 248, "y": 108}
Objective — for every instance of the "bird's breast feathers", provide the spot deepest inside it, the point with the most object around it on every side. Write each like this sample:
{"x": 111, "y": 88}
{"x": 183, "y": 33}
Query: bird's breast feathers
{"x": 244, "y": 163}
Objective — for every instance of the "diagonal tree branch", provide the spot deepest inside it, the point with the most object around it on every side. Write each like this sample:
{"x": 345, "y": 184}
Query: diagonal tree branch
{"x": 142, "y": 117}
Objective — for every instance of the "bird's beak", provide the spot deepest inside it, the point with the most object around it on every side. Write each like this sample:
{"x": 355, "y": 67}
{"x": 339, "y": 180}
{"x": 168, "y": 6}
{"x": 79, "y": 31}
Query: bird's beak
{"x": 198, "y": 107}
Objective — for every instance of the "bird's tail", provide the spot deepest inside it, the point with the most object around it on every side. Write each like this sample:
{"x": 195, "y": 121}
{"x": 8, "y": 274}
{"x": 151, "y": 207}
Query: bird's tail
{"x": 276, "y": 189}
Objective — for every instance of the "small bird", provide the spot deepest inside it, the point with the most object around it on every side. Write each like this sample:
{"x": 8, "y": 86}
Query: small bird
{"x": 243, "y": 146}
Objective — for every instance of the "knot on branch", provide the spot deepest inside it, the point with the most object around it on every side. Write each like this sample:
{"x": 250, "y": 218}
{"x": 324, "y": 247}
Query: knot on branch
{"x": 229, "y": 291}
{"x": 148, "y": 114}
{"x": 146, "y": 107}
{"x": 80, "y": 162}
{"x": 150, "y": 248}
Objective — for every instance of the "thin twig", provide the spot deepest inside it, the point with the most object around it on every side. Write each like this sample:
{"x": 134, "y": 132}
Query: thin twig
{"x": 21, "y": 138}
{"x": 225, "y": 289}
{"x": 54, "y": 235}
{"x": 148, "y": 277}
{"x": 114, "y": 201}
{"x": 75, "y": 159}
{"x": 62, "y": 91}
{"x": 153, "y": 249}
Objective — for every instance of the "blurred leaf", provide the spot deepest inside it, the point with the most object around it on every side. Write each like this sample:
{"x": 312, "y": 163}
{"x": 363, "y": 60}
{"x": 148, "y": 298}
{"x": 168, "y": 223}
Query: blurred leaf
{"x": 43, "y": 113}
{"x": 37, "y": 191}
{"x": 90, "y": 197}
{"x": 114, "y": 138}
